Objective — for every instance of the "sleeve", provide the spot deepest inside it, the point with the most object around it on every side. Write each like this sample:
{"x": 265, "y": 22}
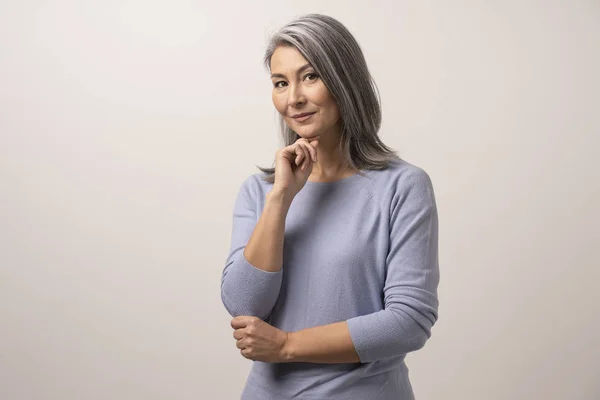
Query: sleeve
{"x": 412, "y": 277}
{"x": 245, "y": 289}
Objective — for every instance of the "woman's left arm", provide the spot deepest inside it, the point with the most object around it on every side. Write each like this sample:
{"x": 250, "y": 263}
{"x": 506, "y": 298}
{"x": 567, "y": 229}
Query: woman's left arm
{"x": 410, "y": 296}
{"x": 321, "y": 344}
{"x": 410, "y": 291}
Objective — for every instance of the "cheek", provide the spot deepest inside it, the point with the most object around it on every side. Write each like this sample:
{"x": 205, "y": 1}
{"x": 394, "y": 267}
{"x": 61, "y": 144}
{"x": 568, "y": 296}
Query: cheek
{"x": 277, "y": 102}
{"x": 325, "y": 100}
{"x": 336, "y": 112}
{"x": 321, "y": 96}
{"x": 332, "y": 110}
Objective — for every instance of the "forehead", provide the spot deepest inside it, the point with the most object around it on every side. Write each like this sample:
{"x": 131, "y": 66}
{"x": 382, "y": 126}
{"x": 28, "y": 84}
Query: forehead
{"x": 286, "y": 59}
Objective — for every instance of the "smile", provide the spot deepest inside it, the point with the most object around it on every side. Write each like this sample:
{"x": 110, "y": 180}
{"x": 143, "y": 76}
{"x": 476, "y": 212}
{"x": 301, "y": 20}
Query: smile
{"x": 304, "y": 117}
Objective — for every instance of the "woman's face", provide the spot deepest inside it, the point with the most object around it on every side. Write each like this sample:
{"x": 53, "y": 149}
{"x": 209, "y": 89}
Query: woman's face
{"x": 298, "y": 90}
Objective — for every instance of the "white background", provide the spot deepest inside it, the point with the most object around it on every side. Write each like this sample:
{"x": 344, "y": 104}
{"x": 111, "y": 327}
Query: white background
{"x": 126, "y": 129}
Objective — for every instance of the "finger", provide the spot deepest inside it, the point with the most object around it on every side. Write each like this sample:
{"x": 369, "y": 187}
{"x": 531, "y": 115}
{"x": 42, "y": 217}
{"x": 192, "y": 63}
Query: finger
{"x": 302, "y": 151}
{"x": 238, "y": 334}
{"x": 310, "y": 158}
{"x": 289, "y": 152}
{"x": 301, "y": 146}
{"x": 246, "y": 354}
{"x": 312, "y": 151}
{"x": 299, "y": 153}
{"x": 308, "y": 161}
{"x": 240, "y": 344}
{"x": 239, "y": 322}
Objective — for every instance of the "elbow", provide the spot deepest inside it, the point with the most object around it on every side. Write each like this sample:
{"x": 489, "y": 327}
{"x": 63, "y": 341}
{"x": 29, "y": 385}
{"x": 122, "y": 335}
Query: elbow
{"x": 413, "y": 339}
{"x": 236, "y": 309}
{"x": 229, "y": 306}
{"x": 230, "y": 301}
{"x": 417, "y": 339}
{"x": 414, "y": 330}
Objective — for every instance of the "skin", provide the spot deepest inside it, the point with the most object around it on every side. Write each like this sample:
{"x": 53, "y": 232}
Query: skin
{"x": 297, "y": 88}
{"x": 316, "y": 156}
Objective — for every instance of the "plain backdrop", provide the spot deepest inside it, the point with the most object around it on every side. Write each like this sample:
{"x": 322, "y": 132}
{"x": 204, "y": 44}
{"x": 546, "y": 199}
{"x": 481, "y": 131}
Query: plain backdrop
{"x": 126, "y": 129}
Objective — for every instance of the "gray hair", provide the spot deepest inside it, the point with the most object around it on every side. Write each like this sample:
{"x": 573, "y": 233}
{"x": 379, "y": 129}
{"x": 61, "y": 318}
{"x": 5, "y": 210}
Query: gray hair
{"x": 337, "y": 58}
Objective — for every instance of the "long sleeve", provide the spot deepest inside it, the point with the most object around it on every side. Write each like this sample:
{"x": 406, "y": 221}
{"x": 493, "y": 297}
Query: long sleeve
{"x": 412, "y": 276}
{"x": 245, "y": 289}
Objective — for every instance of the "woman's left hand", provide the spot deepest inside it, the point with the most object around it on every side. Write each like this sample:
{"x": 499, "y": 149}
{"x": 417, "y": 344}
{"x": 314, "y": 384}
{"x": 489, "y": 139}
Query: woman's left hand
{"x": 259, "y": 341}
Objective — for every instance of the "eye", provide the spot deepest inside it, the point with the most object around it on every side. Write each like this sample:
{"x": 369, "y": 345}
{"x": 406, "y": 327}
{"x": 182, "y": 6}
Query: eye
{"x": 278, "y": 84}
{"x": 312, "y": 76}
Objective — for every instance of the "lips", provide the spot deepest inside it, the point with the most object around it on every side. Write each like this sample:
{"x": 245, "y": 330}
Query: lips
{"x": 302, "y": 115}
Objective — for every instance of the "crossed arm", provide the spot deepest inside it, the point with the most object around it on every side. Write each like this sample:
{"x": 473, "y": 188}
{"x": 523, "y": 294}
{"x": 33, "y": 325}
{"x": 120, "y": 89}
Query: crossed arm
{"x": 410, "y": 291}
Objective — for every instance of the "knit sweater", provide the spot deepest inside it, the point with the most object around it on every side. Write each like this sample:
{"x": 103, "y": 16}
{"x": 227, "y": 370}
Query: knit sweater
{"x": 363, "y": 249}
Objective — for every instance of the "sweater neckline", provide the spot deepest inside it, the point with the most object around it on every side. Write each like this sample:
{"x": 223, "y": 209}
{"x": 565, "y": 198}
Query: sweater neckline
{"x": 338, "y": 182}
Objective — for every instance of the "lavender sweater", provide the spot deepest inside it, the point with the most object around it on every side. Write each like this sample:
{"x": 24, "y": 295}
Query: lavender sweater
{"x": 363, "y": 250}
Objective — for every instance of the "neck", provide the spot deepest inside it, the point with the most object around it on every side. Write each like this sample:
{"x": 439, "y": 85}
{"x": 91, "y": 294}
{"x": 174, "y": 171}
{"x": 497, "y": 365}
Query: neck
{"x": 330, "y": 163}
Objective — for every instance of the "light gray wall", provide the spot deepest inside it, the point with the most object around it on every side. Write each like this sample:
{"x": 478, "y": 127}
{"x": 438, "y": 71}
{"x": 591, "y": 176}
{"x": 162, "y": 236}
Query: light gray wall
{"x": 126, "y": 129}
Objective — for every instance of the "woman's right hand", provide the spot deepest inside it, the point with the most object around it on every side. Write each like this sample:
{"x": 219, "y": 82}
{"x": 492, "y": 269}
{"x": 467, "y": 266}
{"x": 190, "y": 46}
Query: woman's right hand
{"x": 293, "y": 165}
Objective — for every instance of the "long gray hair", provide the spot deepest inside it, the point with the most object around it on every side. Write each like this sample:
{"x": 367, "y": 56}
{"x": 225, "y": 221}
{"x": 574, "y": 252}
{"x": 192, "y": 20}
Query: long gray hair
{"x": 337, "y": 58}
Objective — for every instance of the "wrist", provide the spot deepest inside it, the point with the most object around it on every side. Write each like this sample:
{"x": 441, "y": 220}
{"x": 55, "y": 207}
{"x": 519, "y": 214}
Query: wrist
{"x": 279, "y": 197}
{"x": 288, "y": 352}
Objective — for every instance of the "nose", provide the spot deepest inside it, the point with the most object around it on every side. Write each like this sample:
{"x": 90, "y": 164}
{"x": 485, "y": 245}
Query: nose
{"x": 295, "y": 96}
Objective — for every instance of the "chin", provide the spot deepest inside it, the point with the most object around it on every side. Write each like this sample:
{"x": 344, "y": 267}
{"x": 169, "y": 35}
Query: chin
{"x": 307, "y": 134}
{"x": 308, "y": 137}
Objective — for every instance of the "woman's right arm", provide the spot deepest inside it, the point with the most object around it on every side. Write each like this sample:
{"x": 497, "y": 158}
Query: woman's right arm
{"x": 265, "y": 247}
{"x": 253, "y": 273}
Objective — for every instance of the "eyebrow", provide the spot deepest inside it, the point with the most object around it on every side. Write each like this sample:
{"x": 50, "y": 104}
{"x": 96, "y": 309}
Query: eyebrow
{"x": 302, "y": 68}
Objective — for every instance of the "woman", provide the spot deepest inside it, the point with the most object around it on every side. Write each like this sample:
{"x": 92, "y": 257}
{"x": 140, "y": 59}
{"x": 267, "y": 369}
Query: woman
{"x": 331, "y": 311}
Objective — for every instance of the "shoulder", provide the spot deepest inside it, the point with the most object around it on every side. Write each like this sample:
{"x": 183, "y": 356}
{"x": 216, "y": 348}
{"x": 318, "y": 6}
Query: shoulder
{"x": 254, "y": 186}
{"x": 404, "y": 171}
{"x": 399, "y": 180}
